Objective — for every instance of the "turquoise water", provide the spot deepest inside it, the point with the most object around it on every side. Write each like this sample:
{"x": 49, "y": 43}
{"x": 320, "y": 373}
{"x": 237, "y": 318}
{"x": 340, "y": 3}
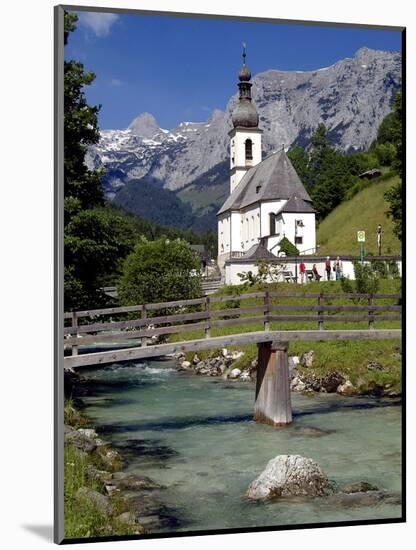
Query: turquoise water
{"x": 195, "y": 436}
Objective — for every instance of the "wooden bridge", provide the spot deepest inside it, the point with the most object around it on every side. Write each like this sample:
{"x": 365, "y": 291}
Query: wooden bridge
{"x": 266, "y": 320}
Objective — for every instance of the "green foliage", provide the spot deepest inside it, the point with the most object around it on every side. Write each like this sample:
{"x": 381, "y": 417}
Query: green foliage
{"x": 288, "y": 247}
{"x": 366, "y": 279}
{"x": 95, "y": 241}
{"x": 300, "y": 160}
{"x": 329, "y": 173}
{"x": 266, "y": 273}
{"x": 390, "y": 135}
{"x": 80, "y": 130}
{"x": 160, "y": 271}
{"x": 395, "y": 211}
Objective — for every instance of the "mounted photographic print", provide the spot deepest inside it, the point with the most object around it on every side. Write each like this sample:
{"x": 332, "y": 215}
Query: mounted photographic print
{"x": 229, "y": 272}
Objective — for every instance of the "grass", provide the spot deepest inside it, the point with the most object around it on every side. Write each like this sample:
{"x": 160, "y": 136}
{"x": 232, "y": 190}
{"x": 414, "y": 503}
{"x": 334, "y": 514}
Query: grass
{"x": 337, "y": 233}
{"x": 350, "y": 358}
{"x": 82, "y": 518}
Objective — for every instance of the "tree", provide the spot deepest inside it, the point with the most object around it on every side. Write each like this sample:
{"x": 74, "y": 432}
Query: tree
{"x": 160, "y": 271}
{"x": 288, "y": 247}
{"x": 95, "y": 238}
{"x": 394, "y": 198}
{"x": 390, "y": 133}
{"x": 329, "y": 173}
{"x": 300, "y": 160}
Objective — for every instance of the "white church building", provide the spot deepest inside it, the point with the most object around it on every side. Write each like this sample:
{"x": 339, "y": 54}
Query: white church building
{"x": 267, "y": 200}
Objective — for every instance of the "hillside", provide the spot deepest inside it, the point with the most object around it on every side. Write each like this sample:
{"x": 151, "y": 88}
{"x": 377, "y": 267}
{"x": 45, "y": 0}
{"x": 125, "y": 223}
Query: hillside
{"x": 337, "y": 233}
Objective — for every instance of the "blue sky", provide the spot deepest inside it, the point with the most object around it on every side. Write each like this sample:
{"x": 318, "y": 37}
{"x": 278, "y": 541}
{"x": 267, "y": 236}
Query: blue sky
{"x": 180, "y": 69}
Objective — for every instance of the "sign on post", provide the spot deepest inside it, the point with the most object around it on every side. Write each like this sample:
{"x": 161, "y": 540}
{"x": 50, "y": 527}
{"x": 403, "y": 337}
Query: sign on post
{"x": 361, "y": 240}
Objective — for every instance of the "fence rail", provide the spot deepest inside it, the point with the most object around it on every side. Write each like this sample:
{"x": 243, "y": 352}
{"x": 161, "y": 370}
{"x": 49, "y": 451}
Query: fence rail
{"x": 203, "y": 314}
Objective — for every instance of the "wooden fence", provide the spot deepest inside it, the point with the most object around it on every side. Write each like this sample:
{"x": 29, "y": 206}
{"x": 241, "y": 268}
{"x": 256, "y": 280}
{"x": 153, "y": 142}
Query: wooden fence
{"x": 98, "y": 326}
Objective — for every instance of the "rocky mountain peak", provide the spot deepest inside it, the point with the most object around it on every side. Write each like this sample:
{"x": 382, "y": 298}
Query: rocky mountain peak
{"x": 144, "y": 126}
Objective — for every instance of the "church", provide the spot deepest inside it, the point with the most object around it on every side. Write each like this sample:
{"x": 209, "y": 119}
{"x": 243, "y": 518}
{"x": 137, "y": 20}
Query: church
{"x": 267, "y": 200}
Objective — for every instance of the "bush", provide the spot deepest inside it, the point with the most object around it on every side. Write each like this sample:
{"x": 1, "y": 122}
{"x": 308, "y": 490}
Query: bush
{"x": 288, "y": 248}
{"x": 160, "y": 271}
{"x": 366, "y": 280}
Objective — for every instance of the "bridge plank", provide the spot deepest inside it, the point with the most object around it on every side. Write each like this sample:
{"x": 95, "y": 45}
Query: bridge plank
{"x": 102, "y": 358}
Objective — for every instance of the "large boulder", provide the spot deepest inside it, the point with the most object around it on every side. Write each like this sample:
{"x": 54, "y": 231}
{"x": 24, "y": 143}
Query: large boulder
{"x": 80, "y": 441}
{"x": 101, "y": 502}
{"x": 288, "y": 476}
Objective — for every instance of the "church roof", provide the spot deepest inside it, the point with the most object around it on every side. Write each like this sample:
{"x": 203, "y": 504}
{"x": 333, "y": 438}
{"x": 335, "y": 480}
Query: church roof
{"x": 258, "y": 252}
{"x": 297, "y": 205}
{"x": 272, "y": 179}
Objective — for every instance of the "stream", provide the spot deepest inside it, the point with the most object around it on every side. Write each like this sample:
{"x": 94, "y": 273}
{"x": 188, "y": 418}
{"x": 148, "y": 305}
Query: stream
{"x": 195, "y": 435}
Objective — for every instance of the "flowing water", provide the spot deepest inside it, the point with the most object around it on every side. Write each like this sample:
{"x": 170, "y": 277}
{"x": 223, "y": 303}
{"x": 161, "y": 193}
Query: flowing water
{"x": 195, "y": 435}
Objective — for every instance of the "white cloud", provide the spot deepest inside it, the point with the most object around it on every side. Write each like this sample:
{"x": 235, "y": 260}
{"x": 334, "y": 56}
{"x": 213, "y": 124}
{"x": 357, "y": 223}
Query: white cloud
{"x": 99, "y": 23}
{"x": 115, "y": 82}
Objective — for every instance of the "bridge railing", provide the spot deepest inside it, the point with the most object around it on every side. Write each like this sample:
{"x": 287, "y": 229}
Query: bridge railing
{"x": 265, "y": 309}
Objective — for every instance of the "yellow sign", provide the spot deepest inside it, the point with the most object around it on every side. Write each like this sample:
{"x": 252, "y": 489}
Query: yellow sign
{"x": 361, "y": 236}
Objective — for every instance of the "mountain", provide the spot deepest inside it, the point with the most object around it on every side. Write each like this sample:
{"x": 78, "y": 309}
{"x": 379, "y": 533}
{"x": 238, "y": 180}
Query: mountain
{"x": 350, "y": 97}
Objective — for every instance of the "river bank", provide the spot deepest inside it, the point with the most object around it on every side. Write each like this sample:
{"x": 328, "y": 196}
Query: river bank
{"x": 101, "y": 498}
{"x": 311, "y": 372}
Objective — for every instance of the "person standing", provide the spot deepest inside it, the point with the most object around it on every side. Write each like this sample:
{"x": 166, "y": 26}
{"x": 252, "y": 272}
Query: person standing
{"x": 328, "y": 268}
{"x": 338, "y": 268}
{"x": 302, "y": 269}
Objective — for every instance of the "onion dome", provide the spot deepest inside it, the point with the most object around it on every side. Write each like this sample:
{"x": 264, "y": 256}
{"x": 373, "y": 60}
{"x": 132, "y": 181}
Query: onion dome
{"x": 245, "y": 114}
{"x": 244, "y": 75}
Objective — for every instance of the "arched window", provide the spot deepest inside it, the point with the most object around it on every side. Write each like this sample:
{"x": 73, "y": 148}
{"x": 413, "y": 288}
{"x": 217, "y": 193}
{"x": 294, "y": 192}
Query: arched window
{"x": 249, "y": 149}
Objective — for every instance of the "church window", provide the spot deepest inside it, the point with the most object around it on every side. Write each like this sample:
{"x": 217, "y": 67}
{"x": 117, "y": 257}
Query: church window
{"x": 298, "y": 240}
{"x": 258, "y": 187}
{"x": 272, "y": 223}
{"x": 249, "y": 149}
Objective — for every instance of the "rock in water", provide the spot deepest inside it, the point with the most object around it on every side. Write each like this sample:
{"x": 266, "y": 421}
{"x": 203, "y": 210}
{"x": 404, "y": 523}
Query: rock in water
{"x": 235, "y": 373}
{"x": 346, "y": 389}
{"x": 288, "y": 476}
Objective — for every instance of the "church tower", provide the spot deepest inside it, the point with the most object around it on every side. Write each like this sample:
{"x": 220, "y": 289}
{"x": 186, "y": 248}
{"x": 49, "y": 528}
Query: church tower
{"x": 245, "y": 137}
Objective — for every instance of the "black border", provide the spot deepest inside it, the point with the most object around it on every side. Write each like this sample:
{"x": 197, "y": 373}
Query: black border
{"x": 58, "y": 282}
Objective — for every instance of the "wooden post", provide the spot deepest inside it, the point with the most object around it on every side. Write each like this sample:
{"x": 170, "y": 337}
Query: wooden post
{"x": 266, "y": 311}
{"x": 370, "y": 313}
{"x": 144, "y": 316}
{"x": 208, "y": 319}
{"x": 320, "y": 313}
{"x": 273, "y": 405}
{"x": 74, "y": 325}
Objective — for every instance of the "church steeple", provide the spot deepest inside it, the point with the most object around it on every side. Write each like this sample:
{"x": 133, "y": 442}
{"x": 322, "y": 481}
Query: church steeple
{"x": 245, "y": 114}
{"x": 245, "y": 135}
